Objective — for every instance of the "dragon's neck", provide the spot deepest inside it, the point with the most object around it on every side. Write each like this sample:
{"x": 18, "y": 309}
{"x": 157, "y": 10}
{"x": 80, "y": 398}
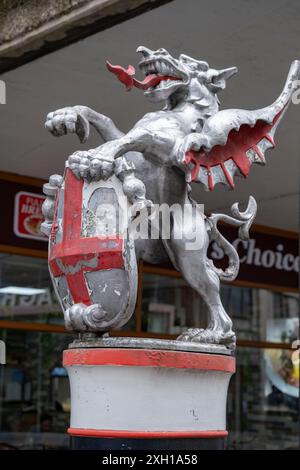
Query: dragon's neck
{"x": 194, "y": 115}
{"x": 195, "y": 104}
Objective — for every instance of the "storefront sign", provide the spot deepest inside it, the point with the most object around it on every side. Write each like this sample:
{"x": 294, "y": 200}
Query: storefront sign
{"x": 35, "y": 304}
{"x": 269, "y": 258}
{"x": 28, "y": 215}
{"x": 252, "y": 255}
{"x": 21, "y": 215}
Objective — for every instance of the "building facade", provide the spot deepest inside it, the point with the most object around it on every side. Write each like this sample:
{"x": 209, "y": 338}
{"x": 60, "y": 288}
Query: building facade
{"x": 263, "y": 303}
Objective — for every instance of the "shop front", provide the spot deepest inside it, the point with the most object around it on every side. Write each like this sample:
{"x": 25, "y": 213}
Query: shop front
{"x": 263, "y": 303}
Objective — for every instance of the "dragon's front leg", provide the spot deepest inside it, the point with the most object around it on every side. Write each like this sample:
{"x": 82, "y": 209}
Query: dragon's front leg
{"x": 77, "y": 120}
{"x": 93, "y": 163}
{"x": 103, "y": 161}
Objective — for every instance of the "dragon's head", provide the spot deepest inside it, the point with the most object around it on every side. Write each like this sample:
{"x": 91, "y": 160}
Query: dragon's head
{"x": 169, "y": 74}
{"x": 172, "y": 80}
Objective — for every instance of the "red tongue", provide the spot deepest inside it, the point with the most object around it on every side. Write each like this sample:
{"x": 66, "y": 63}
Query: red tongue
{"x": 126, "y": 76}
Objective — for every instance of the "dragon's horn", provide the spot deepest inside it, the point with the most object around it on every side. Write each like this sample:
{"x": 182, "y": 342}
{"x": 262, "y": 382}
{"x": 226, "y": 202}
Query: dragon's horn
{"x": 226, "y": 73}
{"x": 217, "y": 78}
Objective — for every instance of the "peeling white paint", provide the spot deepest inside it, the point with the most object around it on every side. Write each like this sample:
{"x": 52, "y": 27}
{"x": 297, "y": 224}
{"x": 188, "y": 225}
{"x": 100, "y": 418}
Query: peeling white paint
{"x": 104, "y": 288}
{"x": 198, "y": 404}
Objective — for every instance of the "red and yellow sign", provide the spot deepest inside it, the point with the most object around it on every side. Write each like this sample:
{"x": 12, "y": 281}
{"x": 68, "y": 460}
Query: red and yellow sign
{"x": 28, "y": 215}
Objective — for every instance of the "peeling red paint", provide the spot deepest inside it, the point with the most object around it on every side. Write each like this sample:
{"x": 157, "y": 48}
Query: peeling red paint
{"x": 148, "y": 358}
{"x": 76, "y": 255}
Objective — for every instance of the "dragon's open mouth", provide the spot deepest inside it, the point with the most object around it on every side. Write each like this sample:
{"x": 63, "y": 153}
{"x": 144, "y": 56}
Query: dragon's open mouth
{"x": 159, "y": 74}
{"x": 163, "y": 74}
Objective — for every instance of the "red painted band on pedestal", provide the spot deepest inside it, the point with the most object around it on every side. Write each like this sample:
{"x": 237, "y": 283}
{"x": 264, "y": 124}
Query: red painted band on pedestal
{"x": 109, "y": 433}
{"x": 148, "y": 358}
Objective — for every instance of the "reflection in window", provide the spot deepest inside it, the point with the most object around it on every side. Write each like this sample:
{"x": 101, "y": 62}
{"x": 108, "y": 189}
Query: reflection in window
{"x": 34, "y": 391}
{"x": 261, "y": 413}
{"x": 26, "y": 292}
{"x": 170, "y": 306}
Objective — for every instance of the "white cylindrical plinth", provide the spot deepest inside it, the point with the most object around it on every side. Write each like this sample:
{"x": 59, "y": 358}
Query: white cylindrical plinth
{"x": 147, "y": 393}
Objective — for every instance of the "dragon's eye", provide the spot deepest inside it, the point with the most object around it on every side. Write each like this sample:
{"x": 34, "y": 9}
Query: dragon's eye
{"x": 162, "y": 51}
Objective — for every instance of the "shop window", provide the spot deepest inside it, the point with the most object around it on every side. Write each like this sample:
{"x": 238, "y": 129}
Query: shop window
{"x": 256, "y": 312}
{"x": 169, "y": 306}
{"x": 34, "y": 388}
{"x": 34, "y": 391}
{"x": 263, "y": 400}
{"x": 26, "y": 291}
{"x": 27, "y": 294}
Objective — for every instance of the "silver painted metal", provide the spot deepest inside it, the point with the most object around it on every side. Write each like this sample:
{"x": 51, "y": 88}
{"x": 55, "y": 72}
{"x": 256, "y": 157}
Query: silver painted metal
{"x": 150, "y": 161}
{"x": 148, "y": 343}
{"x": 50, "y": 190}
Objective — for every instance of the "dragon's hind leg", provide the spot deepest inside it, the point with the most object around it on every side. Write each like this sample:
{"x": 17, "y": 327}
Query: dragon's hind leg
{"x": 204, "y": 277}
{"x": 205, "y": 282}
{"x": 191, "y": 259}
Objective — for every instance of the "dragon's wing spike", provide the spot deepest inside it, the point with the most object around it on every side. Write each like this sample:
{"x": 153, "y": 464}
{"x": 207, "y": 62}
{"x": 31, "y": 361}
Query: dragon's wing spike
{"x": 288, "y": 89}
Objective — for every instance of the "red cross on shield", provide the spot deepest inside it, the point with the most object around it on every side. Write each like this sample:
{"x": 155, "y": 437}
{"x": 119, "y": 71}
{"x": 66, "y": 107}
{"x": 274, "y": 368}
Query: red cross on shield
{"x": 76, "y": 255}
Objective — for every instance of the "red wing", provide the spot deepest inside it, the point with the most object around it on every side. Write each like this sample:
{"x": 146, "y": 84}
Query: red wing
{"x": 243, "y": 147}
{"x": 237, "y": 138}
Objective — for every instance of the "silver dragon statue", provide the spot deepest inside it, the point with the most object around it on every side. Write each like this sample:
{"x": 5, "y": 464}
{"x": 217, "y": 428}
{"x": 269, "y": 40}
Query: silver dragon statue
{"x": 94, "y": 267}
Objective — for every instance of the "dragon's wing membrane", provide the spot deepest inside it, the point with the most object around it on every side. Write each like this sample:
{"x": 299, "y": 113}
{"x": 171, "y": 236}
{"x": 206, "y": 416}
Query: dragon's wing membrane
{"x": 237, "y": 138}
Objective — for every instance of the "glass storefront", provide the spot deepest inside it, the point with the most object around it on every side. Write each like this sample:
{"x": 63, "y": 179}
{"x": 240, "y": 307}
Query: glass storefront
{"x": 26, "y": 292}
{"x": 34, "y": 390}
{"x": 170, "y": 306}
{"x": 34, "y": 387}
{"x": 263, "y": 402}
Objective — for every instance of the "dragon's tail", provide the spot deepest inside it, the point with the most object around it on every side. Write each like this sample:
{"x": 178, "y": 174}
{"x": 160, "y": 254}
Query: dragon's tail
{"x": 243, "y": 220}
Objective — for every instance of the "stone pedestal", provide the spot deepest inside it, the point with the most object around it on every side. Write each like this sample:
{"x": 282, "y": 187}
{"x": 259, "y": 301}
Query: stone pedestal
{"x": 132, "y": 393}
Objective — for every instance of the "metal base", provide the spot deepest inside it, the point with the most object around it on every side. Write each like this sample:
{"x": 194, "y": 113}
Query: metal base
{"x": 137, "y": 397}
{"x": 90, "y": 443}
{"x": 90, "y": 340}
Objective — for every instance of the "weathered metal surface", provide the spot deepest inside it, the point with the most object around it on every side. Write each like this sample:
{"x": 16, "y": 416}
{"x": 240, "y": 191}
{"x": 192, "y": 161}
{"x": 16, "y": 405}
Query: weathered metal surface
{"x": 148, "y": 343}
{"x": 189, "y": 140}
{"x": 148, "y": 379}
{"x": 93, "y": 268}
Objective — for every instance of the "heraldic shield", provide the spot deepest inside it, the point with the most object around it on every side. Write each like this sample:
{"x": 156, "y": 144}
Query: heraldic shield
{"x": 91, "y": 254}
